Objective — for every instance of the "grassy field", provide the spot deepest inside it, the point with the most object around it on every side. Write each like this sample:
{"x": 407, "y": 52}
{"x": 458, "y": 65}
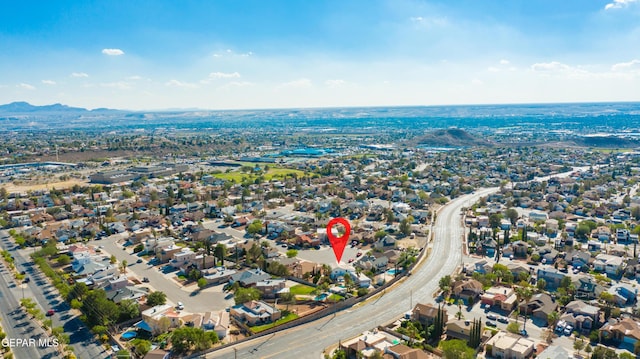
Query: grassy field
{"x": 289, "y": 317}
{"x": 274, "y": 172}
{"x": 301, "y": 289}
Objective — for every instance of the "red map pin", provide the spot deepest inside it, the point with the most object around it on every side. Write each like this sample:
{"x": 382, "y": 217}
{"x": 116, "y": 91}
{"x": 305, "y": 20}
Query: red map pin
{"x": 338, "y": 243}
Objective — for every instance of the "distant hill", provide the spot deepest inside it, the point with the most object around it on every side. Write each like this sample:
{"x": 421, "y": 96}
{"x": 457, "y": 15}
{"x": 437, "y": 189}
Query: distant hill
{"x": 451, "y": 137}
{"x": 22, "y": 107}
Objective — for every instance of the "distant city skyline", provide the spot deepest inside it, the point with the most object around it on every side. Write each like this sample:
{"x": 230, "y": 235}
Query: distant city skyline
{"x": 149, "y": 55}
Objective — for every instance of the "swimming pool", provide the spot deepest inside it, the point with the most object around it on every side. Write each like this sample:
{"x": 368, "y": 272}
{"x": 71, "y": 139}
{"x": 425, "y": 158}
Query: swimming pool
{"x": 321, "y": 297}
{"x": 129, "y": 335}
{"x": 392, "y": 271}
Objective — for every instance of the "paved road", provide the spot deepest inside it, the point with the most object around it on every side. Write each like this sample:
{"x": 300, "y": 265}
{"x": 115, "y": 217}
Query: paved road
{"x": 310, "y": 339}
{"x": 16, "y": 323}
{"x": 47, "y": 297}
{"x": 210, "y": 299}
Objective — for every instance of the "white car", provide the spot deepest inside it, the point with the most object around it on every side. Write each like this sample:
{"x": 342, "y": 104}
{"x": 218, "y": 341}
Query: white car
{"x": 180, "y": 306}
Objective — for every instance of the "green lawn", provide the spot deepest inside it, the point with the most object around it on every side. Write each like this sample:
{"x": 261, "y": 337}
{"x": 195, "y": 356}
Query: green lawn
{"x": 288, "y": 318}
{"x": 278, "y": 172}
{"x": 335, "y": 298}
{"x": 301, "y": 289}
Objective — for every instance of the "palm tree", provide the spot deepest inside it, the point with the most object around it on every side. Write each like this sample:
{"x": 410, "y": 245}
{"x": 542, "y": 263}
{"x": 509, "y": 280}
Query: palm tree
{"x": 552, "y": 319}
{"x": 123, "y": 267}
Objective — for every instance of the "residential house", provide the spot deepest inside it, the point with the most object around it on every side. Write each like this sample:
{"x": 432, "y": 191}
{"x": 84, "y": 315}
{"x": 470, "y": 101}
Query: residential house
{"x": 587, "y": 288}
{"x": 117, "y": 290}
{"x": 467, "y": 289}
{"x": 624, "y": 294}
{"x": 555, "y": 352}
{"x": 626, "y": 332}
{"x": 182, "y": 258}
{"x": 612, "y": 265}
{"x": 153, "y": 322}
{"x": 503, "y": 297}
{"x": 580, "y": 259}
{"x": 216, "y": 321}
{"x": 458, "y": 329}
{"x": 426, "y": 314}
{"x": 539, "y": 307}
{"x": 165, "y": 254}
{"x": 255, "y": 312}
{"x": 401, "y": 351}
{"x": 582, "y": 316}
{"x": 270, "y": 288}
{"x": 517, "y": 249}
{"x": 510, "y": 346}
{"x": 218, "y": 275}
{"x": 552, "y": 277}
{"x": 249, "y": 277}
{"x": 366, "y": 344}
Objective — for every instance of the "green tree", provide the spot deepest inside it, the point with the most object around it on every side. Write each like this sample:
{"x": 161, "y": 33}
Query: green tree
{"x": 255, "y": 227}
{"x": 513, "y": 327}
{"x": 405, "y": 225}
{"x": 202, "y": 283}
{"x": 141, "y": 347}
{"x": 187, "y": 339}
{"x": 113, "y": 259}
{"x": 292, "y": 253}
{"x": 512, "y": 215}
{"x": 129, "y": 309}
{"x": 63, "y": 260}
{"x": 495, "y": 220}
{"x": 243, "y": 295}
{"x": 456, "y": 349}
{"x": 220, "y": 251}
{"x": 156, "y": 298}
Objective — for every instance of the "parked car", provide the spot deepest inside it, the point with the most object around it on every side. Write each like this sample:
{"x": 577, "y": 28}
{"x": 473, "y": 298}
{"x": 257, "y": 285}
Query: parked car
{"x": 145, "y": 280}
{"x": 568, "y": 330}
{"x": 50, "y": 312}
{"x": 503, "y": 320}
{"x": 524, "y": 333}
{"x": 491, "y": 323}
{"x": 26, "y": 280}
{"x": 139, "y": 261}
{"x": 491, "y": 317}
{"x": 180, "y": 306}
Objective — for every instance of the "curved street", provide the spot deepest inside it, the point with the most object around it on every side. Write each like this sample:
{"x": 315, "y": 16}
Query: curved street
{"x": 310, "y": 339}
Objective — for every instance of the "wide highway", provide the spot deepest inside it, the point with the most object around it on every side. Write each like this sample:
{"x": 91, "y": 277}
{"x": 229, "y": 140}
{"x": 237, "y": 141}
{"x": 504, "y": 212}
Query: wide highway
{"x": 308, "y": 340}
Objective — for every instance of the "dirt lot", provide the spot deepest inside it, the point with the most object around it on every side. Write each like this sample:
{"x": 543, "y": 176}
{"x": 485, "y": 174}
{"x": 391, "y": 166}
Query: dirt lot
{"x": 11, "y": 188}
{"x": 303, "y": 309}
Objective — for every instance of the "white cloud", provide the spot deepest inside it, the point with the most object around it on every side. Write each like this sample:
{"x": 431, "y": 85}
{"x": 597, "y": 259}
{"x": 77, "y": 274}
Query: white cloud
{"x": 618, "y": 4}
{"x": 335, "y": 83}
{"x": 113, "y": 52}
{"x": 240, "y": 83}
{"x": 224, "y": 75}
{"x": 231, "y": 53}
{"x": 48, "y": 82}
{"x": 26, "y": 86}
{"x": 504, "y": 62}
{"x": 177, "y": 83}
{"x": 429, "y": 22}
{"x": 476, "y": 82}
{"x": 626, "y": 66}
{"x": 79, "y": 74}
{"x": 122, "y": 85}
{"x": 550, "y": 66}
{"x": 134, "y": 78}
{"x": 299, "y": 83}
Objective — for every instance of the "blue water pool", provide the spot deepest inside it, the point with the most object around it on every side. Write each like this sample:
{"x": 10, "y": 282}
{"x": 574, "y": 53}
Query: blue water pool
{"x": 392, "y": 271}
{"x": 321, "y": 297}
{"x": 129, "y": 335}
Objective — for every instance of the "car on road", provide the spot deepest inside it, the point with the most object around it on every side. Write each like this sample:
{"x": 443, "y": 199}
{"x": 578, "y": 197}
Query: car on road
{"x": 359, "y": 254}
{"x": 139, "y": 261}
{"x": 180, "y": 306}
{"x": 145, "y": 280}
{"x": 50, "y": 312}
{"x": 491, "y": 317}
{"x": 23, "y": 272}
{"x": 491, "y": 323}
{"x": 503, "y": 320}
{"x": 26, "y": 280}
{"x": 351, "y": 260}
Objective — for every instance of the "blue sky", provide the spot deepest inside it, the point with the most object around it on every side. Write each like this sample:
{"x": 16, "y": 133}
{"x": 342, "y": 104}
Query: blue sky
{"x": 299, "y": 53}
